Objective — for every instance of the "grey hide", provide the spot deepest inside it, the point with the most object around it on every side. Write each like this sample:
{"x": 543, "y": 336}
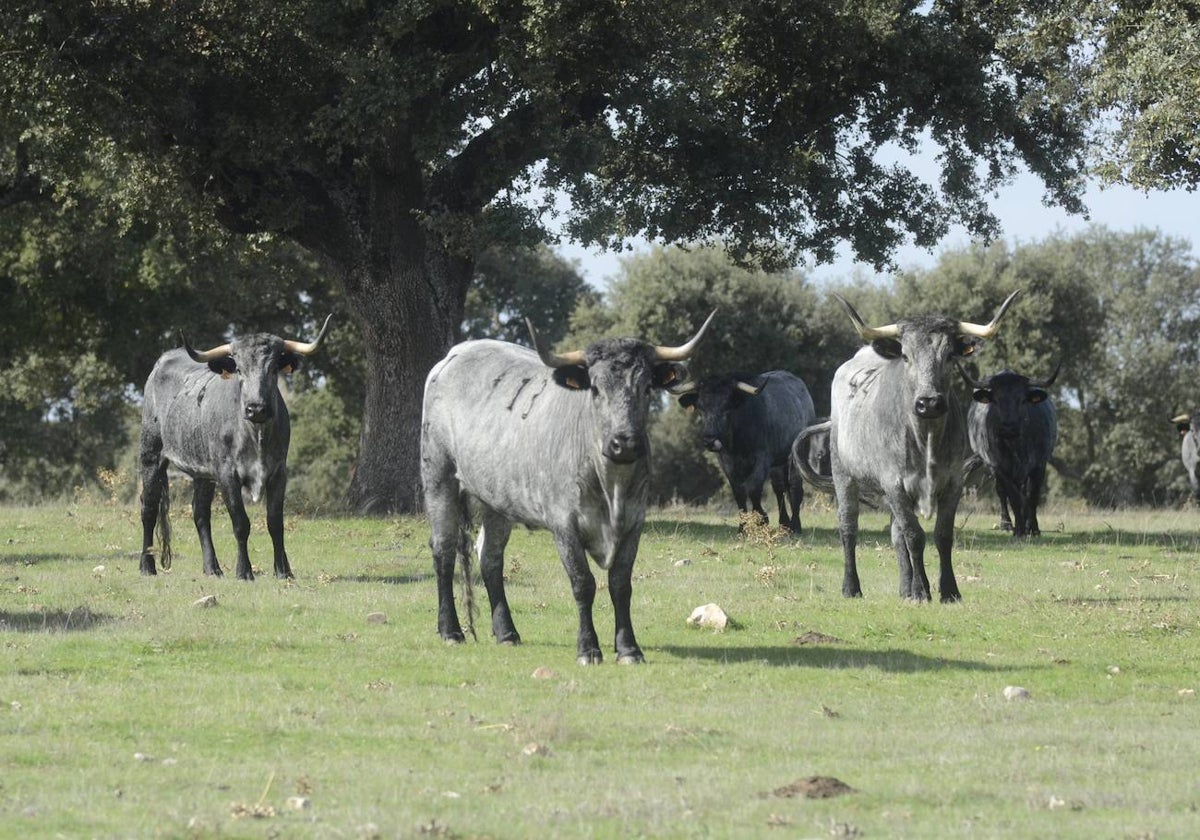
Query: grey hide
{"x": 554, "y": 442}
{"x": 1189, "y": 448}
{"x": 897, "y": 431}
{"x": 750, "y": 422}
{"x": 1012, "y": 428}
{"x": 219, "y": 417}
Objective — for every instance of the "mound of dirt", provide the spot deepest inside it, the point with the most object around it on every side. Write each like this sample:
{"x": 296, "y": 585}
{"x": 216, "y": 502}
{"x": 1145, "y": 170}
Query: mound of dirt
{"x": 814, "y": 787}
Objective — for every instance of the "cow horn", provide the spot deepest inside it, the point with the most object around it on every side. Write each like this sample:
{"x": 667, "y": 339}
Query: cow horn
{"x": 1049, "y": 381}
{"x": 684, "y": 351}
{"x": 1182, "y": 418}
{"x": 310, "y": 348}
{"x": 205, "y": 355}
{"x": 982, "y": 331}
{"x": 747, "y": 388}
{"x": 554, "y": 360}
{"x": 975, "y": 384}
{"x": 678, "y": 389}
{"x": 864, "y": 332}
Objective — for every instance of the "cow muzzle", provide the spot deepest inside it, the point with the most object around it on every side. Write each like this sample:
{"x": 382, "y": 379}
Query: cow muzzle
{"x": 257, "y": 412}
{"x": 712, "y": 444}
{"x": 931, "y": 408}
{"x": 623, "y": 449}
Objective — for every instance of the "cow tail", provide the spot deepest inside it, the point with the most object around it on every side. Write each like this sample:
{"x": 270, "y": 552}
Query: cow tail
{"x": 800, "y": 458}
{"x": 465, "y": 551}
{"x": 165, "y": 555}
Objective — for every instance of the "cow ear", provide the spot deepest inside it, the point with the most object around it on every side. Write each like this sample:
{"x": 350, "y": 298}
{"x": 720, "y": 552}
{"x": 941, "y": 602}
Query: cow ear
{"x": 1183, "y": 428}
{"x": 669, "y": 373}
{"x": 889, "y": 348}
{"x": 983, "y": 396}
{"x": 1036, "y": 395}
{"x": 688, "y": 401}
{"x": 966, "y": 345}
{"x": 289, "y": 362}
{"x": 224, "y": 367}
{"x": 573, "y": 377}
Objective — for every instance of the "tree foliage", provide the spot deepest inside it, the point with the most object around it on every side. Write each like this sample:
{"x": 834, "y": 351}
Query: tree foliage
{"x": 395, "y": 141}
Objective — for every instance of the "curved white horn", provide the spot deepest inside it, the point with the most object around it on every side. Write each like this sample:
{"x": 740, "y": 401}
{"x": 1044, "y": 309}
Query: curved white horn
{"x": 867, "y": 333}
{"x": 219, "y": 352}
{"x": 683, "y": 351}
{"x": 554, "y": 360}
{"x": 311, "y": 347}
{"x": 988, "y": 330}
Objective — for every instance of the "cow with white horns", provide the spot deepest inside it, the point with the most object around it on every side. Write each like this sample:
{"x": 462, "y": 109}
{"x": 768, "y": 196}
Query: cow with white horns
{"x": 897, "y": 432}
{"x": 1013, "y": 427}
{"x": 749, "y": 423}
{"x": 218, "y": 416}
{"x": 1188, "y": 426}
{"x": 529, "y": 437}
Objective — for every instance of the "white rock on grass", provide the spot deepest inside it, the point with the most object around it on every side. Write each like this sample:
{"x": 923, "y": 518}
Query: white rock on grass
{"x": 709, "y": 615}
{"x": 205, "y": 602}
{"x": 1015, "y": 692}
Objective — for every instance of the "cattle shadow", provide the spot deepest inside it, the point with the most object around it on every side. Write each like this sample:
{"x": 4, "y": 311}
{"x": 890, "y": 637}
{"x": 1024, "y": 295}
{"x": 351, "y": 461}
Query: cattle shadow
{"x": 80, "y": 619}
{"x": 714, "y": 533}
{"x": 390, "y": 580}
{"x": 892, "y": 660}
{"x": 27, "y": 559}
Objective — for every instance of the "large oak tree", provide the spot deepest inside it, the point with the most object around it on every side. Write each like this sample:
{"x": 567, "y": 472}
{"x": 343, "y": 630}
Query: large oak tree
{"x": 395, "y": 140}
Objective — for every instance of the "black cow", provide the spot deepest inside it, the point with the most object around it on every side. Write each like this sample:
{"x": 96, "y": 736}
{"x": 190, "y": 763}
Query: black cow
{"x": 547, "y": 441}
{"x": 1189, "y": 448}
{"x": 218, "y": 416}
{"x": 1012, "y": 427}
{"x": 750, "y": 423}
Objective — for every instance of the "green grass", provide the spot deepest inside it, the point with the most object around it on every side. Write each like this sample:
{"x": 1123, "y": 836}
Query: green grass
{"x": 125, "y": 711}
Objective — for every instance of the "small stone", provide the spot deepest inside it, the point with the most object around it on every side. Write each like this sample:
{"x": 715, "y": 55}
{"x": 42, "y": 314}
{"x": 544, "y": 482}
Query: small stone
{"x": 709, "y": 615}
{"x": 299, "y": 803}
{"x": 1114, "y": 670}
{"x": 376, "y": 618}
{"x": 1015, "y": 692}
{"x": 544, "y": 673}
{"x": 535, "y": 749}
{"x": 205, "y": 602}
{"x": 1187, "y": 692}
{"x": 138, "y": 756}
{"x": 99, "y": 570}
{"x": 684, "y": 562}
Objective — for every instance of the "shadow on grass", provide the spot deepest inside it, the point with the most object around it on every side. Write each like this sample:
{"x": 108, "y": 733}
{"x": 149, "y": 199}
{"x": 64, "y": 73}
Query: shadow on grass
{"x": 33, "y": 559}
{"x": 816, "y": 656}
{"x": 392, "y": 580}
{"x": 53, "y": 621}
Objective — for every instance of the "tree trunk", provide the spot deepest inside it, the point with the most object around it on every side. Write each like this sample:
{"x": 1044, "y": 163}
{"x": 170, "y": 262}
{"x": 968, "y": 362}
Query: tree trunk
{"x": 410, "y": 313}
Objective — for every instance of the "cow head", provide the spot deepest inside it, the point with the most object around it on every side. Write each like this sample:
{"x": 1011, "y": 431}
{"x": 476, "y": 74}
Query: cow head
{"x": 1185, "y": 423}
{"x": 1009, "y": 395}
{"x": 715, "y": 400}
{"x": 257, "y": 360}
{"x": 618, "y": 375}
{"x": 926, "y": 344}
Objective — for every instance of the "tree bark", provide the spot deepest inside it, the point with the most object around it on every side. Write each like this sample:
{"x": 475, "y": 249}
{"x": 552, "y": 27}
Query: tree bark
{"x": 410, "y": 310}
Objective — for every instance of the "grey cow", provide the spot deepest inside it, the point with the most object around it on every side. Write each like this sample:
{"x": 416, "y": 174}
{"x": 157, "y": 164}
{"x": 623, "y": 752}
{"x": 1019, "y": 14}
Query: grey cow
{"x": 1189, "y": 448}
{"x": 749, "y": 422}
{"x": 1013, "y": 427}
{"x": 218, "y": 416}
{"x": 551, "y": 441}
{"x": 897, "y": 432}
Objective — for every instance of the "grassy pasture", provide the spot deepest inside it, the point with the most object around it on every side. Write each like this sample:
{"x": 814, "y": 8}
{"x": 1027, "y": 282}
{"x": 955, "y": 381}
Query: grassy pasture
{"x": 125, "y": 711}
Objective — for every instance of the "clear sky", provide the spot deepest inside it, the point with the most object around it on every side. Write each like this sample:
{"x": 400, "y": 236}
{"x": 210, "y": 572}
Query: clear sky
{"x": 1023, "y": 219}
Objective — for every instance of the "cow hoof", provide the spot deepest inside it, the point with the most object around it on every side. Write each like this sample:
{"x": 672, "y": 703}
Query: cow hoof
{"x": 634, "y": 658}
{"x": 454, "y": 638}
{"x": 149, "y": 571}
{"x": 951, "y": 598}
{"x": 511, "y": 640}
{"x": 592, "y": 657}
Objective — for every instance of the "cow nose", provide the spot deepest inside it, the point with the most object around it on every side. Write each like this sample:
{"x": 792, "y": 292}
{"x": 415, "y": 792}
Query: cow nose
{"x": 930, "y": 408}
{"x": 623, "y": 449}
{"x": 712, "y": 444}
{"x": 257, "y": 412}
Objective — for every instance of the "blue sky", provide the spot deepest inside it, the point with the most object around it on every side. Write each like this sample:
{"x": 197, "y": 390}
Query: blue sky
{"x": 1023, "y": 219}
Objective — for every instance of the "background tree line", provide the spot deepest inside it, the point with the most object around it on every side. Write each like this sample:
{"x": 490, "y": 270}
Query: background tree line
{"x": 1120, "y": 312}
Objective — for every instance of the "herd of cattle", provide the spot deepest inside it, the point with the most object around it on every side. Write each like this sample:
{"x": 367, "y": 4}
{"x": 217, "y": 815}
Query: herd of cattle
{"x": 513, "y": 436}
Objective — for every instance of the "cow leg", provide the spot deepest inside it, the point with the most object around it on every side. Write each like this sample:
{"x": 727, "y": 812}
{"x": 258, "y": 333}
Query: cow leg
{"x": 1006, "y": 523}
{"x": 447, "y": 540}
{"x": 739, "y": 496}
{"x": 1037, "y": 483}
{"x": 202, "y": 498}
{"x": 847, "y": 502}
{"x": 908, "y": 539}
{"x": 620, "y": 589}
{"x": 779, "y": 485}
{"x": 274, "y": 493}
{"x": 795, "y": 490}
{"x": 154, "y": 485}
{"x": 583, "y": 587}
{"x": 493, "y": 537}
{"x": 943, "y": 539}
{"x": 232, "y": 493}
